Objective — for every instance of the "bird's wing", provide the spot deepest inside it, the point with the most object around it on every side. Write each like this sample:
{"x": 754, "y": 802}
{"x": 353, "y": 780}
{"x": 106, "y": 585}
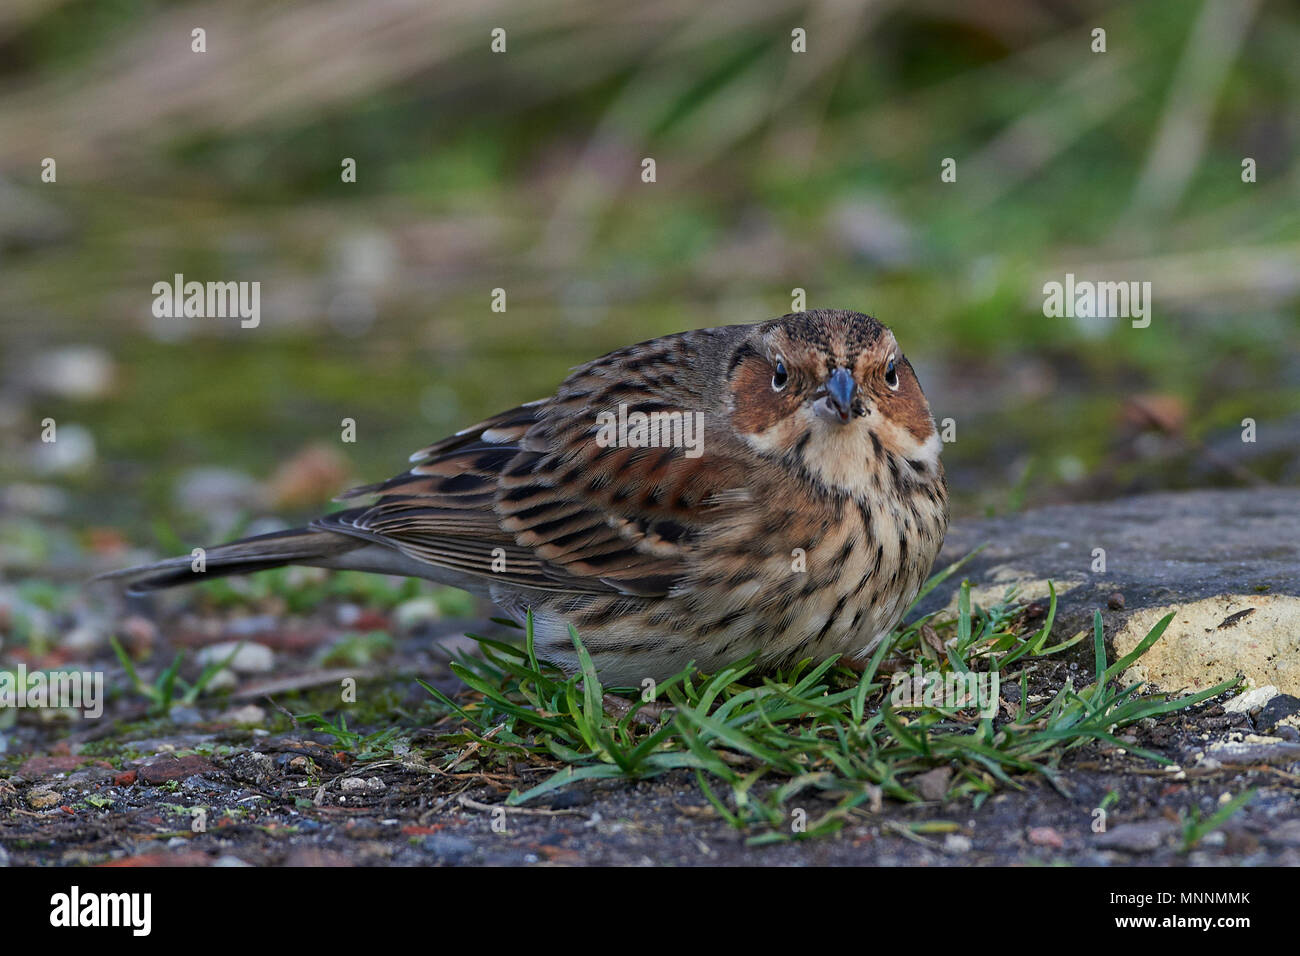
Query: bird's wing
{"x": 441, "y": 510}
{"x": 533, "y": 492}
{"x": 631, "y": 518}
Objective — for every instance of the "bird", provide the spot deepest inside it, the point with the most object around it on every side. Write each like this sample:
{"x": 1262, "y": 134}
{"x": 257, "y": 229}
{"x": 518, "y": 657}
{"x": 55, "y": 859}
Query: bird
{"x": 771, "y": 489}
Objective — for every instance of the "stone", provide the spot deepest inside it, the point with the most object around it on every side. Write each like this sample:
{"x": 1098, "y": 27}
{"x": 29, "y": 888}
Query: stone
{"x": 1251, "y": 701}
{"x": 1281, "y": 710}
{"x": 73, "y": 450}
{"x": 1200, "y": 649}
{"x": 162, "y": 769}
{"x": 139, "y": 635}
{"x": 223, "y": 679}
{"x": 570, "y": 799}
{"x": 40, "y": 798}
{"x": 35, "y": 767}
{"x": 253, "y": 767}
{"x": 1143, "y": 837}
{"x": 1207, "y": 555}
{"x": 76, "y": 372}
{"x": 416, "y": 611}
{"x": 251, "y": 658}
{"x": 1272, "y": 751}
{"x": 1046, "y": 836}
{"x": 249, "y": 715}
{"x": 957, "y": 843}
{"x": 197, "y": 784}
{"x": 92, "y": 776}
{"x": 933, "y": 784}
{"x": 83, "y": 639}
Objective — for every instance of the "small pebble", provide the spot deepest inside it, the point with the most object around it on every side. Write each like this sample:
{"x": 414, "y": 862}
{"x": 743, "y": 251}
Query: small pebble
{"x": 249, "y": 659}
{"x": 249, "y": 715}
{"x": 957, "y": 843}
{"x": 1046, "y": 836}
{"x": 42, "y": 798}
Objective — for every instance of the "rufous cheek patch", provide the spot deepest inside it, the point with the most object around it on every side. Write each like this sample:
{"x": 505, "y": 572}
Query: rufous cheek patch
{"x": 756, "y": 405}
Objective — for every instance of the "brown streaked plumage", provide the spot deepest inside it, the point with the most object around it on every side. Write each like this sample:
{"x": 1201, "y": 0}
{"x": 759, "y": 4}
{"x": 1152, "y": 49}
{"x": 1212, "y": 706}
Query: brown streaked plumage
{"x": 802, "y": 524}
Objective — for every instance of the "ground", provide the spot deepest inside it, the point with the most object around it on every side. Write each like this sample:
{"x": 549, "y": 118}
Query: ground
{"x": 241, "y": 775}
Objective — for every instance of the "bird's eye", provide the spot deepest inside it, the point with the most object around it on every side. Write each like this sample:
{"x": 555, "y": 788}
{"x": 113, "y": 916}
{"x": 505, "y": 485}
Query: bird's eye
{"x": 780, "y": 376}
{"x": 891, "y": 375}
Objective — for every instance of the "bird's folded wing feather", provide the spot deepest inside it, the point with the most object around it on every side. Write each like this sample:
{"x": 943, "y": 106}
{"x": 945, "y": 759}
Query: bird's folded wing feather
{"x": 532, "y": 486}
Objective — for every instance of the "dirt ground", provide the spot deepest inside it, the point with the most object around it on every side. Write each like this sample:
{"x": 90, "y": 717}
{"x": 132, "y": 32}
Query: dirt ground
{"x": 243, "y": 777}
{"x": 213, "y": 793}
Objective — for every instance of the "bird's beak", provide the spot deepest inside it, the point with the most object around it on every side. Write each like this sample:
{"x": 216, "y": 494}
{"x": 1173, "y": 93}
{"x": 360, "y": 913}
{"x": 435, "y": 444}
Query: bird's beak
{"x": 840, "y": 390}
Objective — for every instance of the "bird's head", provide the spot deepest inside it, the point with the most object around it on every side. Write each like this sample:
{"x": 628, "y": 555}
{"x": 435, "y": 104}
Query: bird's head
{"x": 831, "y": 392}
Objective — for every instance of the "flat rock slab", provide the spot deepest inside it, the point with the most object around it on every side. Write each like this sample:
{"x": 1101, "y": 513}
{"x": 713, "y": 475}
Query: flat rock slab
{"x": 1227, "y": 563}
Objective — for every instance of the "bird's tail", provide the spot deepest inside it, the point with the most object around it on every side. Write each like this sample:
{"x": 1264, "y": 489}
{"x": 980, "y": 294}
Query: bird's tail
{"x": 308, "y": 546}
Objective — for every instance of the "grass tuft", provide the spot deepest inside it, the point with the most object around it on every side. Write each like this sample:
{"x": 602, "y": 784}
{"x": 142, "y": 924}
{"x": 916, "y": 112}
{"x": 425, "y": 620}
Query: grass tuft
{"x": 763, "y": 745}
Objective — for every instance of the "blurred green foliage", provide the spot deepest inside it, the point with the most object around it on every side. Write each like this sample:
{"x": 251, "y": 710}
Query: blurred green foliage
{"x": 521, "y": 171}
